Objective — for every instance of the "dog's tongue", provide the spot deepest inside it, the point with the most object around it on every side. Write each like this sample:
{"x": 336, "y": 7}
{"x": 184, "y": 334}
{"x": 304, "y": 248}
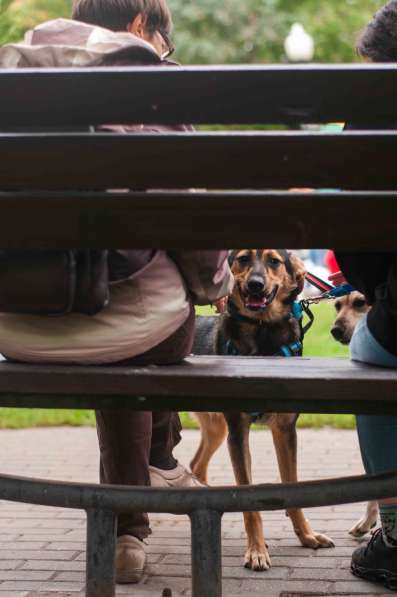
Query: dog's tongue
{"x": 256, "y": 302}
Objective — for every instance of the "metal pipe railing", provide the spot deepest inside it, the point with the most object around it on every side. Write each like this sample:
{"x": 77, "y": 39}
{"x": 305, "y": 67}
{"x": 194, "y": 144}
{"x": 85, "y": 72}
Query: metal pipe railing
{"x": 268, "y": 496}
{"x": 204, "y": 506}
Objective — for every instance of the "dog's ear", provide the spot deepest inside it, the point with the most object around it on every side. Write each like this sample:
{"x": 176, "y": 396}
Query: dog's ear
{"x": 298, "y": 272}
{"x": 232, "y": 255}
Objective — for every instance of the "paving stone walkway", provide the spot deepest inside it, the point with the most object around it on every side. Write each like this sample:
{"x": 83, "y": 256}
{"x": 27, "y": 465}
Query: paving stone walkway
{"x": 42, "y": 549}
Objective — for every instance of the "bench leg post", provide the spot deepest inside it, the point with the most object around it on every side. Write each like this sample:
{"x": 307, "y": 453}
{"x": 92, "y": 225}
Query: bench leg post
{"x": 206, "y": 553}
{"x": 101, "y": 546}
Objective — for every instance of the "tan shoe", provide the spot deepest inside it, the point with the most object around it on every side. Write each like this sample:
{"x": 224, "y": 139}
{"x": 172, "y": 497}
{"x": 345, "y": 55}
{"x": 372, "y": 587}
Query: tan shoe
{"x": 176, "y": 477}
{"x": 130, "y": 559}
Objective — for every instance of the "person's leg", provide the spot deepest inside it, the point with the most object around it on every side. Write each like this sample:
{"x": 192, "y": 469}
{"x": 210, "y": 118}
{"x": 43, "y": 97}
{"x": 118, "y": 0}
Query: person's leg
{"x": 377, "y": 434}
{"x": 166, "y": 434}
{"x": 366, "y": 349}
{"x": 124, "y": 444}
{"x": 377, "y": 561}
{"x": 130, "y": 441}
{"x": 378, "y": 445}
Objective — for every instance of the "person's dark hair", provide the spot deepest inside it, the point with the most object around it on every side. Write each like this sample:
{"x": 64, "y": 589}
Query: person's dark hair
{"x": 378, "y": 43}
{"x": 117, "y": 14}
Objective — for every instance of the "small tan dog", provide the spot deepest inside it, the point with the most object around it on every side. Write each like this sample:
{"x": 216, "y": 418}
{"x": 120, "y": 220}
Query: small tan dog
{"x": 350, "y": 309}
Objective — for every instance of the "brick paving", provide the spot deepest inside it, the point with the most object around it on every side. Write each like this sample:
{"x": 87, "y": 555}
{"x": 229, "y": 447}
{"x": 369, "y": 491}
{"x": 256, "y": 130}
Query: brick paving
{"x": 42, "y": 549}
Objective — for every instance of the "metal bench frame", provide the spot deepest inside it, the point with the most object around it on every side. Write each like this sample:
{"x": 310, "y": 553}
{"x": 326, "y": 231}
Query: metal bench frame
{"x": 205, "y": 508}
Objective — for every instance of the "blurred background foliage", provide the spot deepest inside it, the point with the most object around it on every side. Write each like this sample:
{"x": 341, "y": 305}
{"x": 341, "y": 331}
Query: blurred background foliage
{"x": 229, "y": 31}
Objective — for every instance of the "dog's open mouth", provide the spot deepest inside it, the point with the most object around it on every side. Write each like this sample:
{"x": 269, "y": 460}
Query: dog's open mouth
{"x": 256, "y": 302}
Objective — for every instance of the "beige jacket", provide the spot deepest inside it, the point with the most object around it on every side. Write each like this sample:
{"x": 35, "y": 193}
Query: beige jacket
{"x": 142, "y": 312}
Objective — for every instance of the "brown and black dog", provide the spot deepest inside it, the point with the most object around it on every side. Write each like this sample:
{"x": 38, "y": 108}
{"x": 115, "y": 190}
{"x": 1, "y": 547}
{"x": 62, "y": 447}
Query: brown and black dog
{"x": 259, "y": 320}
{"x": 350, "y": 309}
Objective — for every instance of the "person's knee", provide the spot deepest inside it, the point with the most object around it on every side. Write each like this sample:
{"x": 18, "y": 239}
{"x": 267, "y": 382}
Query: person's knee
{"x": 365, "y": 348}
{"x": 359, "y": 342}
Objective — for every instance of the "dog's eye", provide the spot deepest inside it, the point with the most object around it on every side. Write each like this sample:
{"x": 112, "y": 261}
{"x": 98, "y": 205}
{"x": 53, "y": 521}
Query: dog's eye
{"x": 243, "y": 259}
{"x": 338, "y": 307}
{"x": 358, "y": 303}
{"x": 274, "y": 262}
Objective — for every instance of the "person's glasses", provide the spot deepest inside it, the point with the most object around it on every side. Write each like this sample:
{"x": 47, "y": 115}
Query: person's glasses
{"x": 169, "y": 46}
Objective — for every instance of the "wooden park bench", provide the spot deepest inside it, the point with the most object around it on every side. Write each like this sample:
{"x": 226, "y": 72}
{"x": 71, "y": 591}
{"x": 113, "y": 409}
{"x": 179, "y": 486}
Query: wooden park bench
{"x": 53, "y": 195}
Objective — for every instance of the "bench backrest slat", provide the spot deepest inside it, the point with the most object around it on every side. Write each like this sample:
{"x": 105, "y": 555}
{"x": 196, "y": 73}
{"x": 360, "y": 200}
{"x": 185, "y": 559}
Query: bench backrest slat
{"x": 211, "y": 94}
{"x": 198, "y": 220}
{"x": 357, "y": 161}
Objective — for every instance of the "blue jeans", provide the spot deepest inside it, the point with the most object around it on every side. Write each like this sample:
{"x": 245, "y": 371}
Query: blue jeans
{"x": 377, "y": 434}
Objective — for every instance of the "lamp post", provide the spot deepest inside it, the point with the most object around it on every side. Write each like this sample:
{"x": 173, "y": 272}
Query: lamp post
{"x": 299, "y": 45}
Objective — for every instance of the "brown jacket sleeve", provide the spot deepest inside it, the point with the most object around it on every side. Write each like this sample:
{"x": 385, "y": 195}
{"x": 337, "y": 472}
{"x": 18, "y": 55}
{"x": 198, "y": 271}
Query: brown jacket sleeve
{"x": 206, "y": 273}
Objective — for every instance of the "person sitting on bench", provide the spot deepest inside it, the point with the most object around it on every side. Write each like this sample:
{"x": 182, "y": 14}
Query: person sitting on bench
{"x": 150, "y": 316}
{"x": 375, "y": 340}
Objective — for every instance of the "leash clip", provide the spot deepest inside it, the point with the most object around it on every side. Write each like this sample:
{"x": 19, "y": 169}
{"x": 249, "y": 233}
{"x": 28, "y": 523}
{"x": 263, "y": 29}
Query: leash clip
{"x": 339, "y": 291}
{"x": 328, "y": 291}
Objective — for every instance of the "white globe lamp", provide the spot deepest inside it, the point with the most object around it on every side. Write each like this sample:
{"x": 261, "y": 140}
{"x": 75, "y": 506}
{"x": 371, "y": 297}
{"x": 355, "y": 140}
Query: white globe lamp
{"x": 299, "y": 45}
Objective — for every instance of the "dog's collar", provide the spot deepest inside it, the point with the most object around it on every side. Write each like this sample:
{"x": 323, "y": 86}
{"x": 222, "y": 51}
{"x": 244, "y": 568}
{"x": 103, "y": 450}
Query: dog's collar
{"x": 293, "y": 349}
{"x": 297, "y": 309}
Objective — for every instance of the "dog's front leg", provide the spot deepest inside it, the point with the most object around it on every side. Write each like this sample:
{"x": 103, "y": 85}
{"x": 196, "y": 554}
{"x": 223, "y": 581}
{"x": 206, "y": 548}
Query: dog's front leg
{"x": 285, "y": 442}
{"x": 257, "y": 556}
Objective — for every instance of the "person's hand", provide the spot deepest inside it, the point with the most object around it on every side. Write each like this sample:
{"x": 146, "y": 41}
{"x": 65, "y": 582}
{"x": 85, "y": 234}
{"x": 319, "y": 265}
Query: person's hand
{"x": 221, "y": 304}
{"x": 337, "y": 279}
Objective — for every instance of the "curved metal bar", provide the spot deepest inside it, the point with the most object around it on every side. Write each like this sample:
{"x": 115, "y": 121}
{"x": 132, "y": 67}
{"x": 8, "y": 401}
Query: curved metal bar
{"x": 223, "y": 499}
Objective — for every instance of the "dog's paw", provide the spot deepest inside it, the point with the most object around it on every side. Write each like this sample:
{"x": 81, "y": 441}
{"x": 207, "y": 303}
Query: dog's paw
{"x": 362, "y": 527}
{"x": 257, "y": 558}
{"x": 366, "y": 522}
{"x": 316, "y": 540}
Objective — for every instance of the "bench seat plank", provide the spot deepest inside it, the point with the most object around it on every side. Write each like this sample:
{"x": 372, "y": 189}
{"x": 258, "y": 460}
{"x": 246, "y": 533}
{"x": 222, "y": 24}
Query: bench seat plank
{"x": 207, "y": 383}
{"x": 99, "y": 220}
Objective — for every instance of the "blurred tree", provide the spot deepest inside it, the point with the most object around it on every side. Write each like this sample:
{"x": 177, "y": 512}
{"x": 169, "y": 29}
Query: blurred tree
{"x": 335, "y": 25}
{"x": 231, "y": 31}
{"x": 254, "y": 30}
{"x": 228, "y": 30}
{"x": 17, "y": 16}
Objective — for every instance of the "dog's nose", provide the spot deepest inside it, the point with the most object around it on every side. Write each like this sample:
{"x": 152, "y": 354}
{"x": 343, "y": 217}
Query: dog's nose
{"x": 337, "y": 333}
{"x": 256, "y": 284}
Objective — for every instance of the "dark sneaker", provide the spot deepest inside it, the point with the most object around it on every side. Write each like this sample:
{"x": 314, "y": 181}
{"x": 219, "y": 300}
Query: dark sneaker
{"x": 376, "y": 562}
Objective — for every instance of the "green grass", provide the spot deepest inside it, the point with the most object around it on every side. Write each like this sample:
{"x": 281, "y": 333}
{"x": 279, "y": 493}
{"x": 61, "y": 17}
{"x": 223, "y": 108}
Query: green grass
{"x": 19, "y": 418}
{"x": 318, "y": 342}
